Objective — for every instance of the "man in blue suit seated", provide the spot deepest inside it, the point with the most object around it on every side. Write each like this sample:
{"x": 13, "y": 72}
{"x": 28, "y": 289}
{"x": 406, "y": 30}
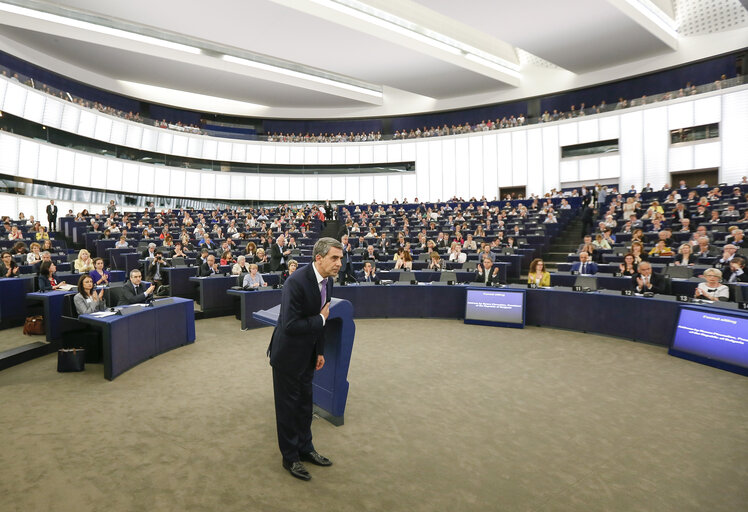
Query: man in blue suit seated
{"x": 368, "y": 274}
{"x": 297, "y": 349}
{"x": 135, "y": 292}
{"x": 584, "y": 266}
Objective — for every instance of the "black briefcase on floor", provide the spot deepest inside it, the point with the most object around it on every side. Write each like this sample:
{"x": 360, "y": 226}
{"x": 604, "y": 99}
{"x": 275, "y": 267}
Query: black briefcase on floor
{"x": 71, "y": 360}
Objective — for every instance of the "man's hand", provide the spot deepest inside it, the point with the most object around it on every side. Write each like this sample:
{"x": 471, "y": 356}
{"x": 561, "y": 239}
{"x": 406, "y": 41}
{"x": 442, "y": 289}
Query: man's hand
{"x": 320, "y": 362}
{"x": 325, "y": 312}
{"x": 150, "y": 289}
{"x": 640, "y": 282}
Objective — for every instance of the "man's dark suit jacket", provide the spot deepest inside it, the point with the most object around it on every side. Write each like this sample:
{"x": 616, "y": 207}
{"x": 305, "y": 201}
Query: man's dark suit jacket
{"x": 480, "y": 277}
{"x": 299, "y": 336}
{"x": 275, "y": 258}
{"x": 128, "y": 294}
{"x": 205, "y": 270}
{"x": 146, "y": 254}
{"x": 659, "y": 285}
{"x": 373, "y": 257}
{"x": 51, "y": 213}
{"x": 591, "y": 267}
{"x": 361, "y": 276}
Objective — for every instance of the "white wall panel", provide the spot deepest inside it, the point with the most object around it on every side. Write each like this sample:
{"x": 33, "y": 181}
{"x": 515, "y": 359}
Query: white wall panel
{"x": 252, "y": 183}
{"x": 15, "y": 100}
{"x": 224, "y": 152}
{"x": 380, "y": 188}
{"x": 147, "y": 178}
{"x": 551, "y": 158}
{"x": 114, "y": 176}
{"x": 535, "y": 176}
{"x": 267, "y": 188}
{"x": 422, "y": 162}
{"x": 34, "y": 109}
{"x": 338, "y": 189}
{"x": 567, "y": 134}
{"x": 28, "y": 159}
{"x": 656, "y": 141}
{"x": 267, "y": 154}
{"x": 130, "y": 176}
{"x": 165, "y": 142}
{"x": 70, "y": 116}
{"x": 338, "y": 155}
{"x": 104, "y": 131}
{"x": 462, "y": 166}
{"x": 706, "y": 155}
{"x": 179, "y": 145}
{"x": 707, "y": 110}
{"x": 631, "y": 147}
{"x": 82, "y": 176}
{"x": 9, "y": 203}
{"x": 237, "y": 186}
{"x": 283, "y": 154}
{"x": 324, "y": 155}
{"x": 608, "y": 127}
{"x": 351, "y": 189}
{"x": 519, "y": 157}
{"x": 588, "y": 131}
{"x": 734, "y": 134}
{"x": 296, "y": 156}
{"x": 48, "y": 163}
{"x": 149, "y": 138}
{"x": 380, "y": 152}
{"x": 195, "y": 147}
{"x": 223, "y": 185}
{"x": 192, "y": 185}
{"x": 434, "y": 176}
{"x": 394, "y": 152}
{"x": 207, "y": 184}
{"x": 449, "y": 169}
{"x": 119, "y": 133}
{"x": 409, "y": 187}
{"x": 3, "y": 88}
{"x": 681, "y": 159}
{"x": 394, "y": 187}
{"x": 135, "y": 136}
{"x": 282, "y": 188}
{"x": 504, "y": 159}
{"x": 308, "y": 190}
{"x": 490, "y": 167}
{"x": 253, "y": 153}
{"x": 475, "y": 147}
{"x": 162, "y": 180}
{"x": 366, "y": 188}
{"x": 87, "y": 125}
{"x": 65, "y": 166}
{"x": 610, "y": 167}
{"x": 52, "y": 113}
{"x": 408, "y": 151}
{"x": 352, "y": 154}
{"x": 310, "y": 155}
{"x": 589, "y": 169}
{"x": 680, "y": 115}
{"x": 238, "y": 153}
{"x": 366, "y": 154}
{"x": 569, "y": 171}
{"x": 324, "y": 187}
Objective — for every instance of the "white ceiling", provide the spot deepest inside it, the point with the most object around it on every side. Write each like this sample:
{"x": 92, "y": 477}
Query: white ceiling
{"x": 591, "y": 40}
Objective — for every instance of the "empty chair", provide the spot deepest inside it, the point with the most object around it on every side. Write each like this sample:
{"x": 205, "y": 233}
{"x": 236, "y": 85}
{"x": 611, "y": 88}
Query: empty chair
{"x": 447, "y": 276}
{"x": 407, "y": 276}
{"x": 678, "y": 272}
{"x": 470, "y": 265}
{"x": 178, "y": 262}
{"x": 586, "y": 282}
{"x": 424, "y": 256}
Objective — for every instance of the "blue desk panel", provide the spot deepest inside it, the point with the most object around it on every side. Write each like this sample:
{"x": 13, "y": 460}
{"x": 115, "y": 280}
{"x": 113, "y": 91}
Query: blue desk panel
{"x": 52, "y": 303}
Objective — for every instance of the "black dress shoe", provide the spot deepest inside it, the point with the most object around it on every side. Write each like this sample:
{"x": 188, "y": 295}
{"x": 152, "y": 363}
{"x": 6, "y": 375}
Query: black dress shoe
{"x": 297, "y": 469}
{"x": 316, "y": 458}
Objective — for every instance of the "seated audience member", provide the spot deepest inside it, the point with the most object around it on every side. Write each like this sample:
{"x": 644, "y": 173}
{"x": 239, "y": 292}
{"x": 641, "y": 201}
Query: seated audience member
{"x": 87, "y": 300}
{"x": 155, "y": 272}
{"x": 403, "y": 260}
{"x": 15, "y": 234}
{"x": 371, "y": 253}
{"x": 661, "y": 249}
{"x": 486, "y": 252}
{"x": 601, "y": 243}
{"x": 99, "y": 274}
{"x": 227, "y": 258}
{"x": 538, "y": 274}
{"x": 647, "y": 281}
{"x": 19, "y": 248}
{"x": 121, "y": 243}
{"x": 436, "y": 262}
{"x": 628, "y": 267}
{"x": 150, "y": 251}
{"x": 457, "y": 255}
{"x": 135, "y": 291}
{"x": 723, "y": 263}
{"x": 368, "y": 274}
{"x": 705, "y": 250}
{"x": 178, "y": 250}
{"x": 469, "y": 244}
{"x": 8, "y": 267}
{"x": 34, "y": 255}
{"x": 737, "y": 271}
{"x": 253, "y": 279}
{"x": 241, "y": 266}
{"x": 487, "y": 273}
{"x": 210, "y": 267}
{"x": 293, "y": 266}
{"x": 584, "y": 265}
{"x": 260, "y": 257}
{"x": 83, "y": 264}
{"x": 736, "y": 238}
{"x": 712, "y": 289}
{"x": 685, "y": 255}
{"x": 47, "y": 279}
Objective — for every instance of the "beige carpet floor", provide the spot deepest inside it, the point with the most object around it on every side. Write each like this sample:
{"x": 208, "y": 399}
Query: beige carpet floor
{"x": 441, "y": 417}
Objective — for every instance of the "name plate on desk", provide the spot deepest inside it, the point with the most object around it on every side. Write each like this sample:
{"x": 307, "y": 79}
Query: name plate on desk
{"x": 574, "y": 272}
{"x": 617, "y": 274}
{"x": 743, "y": 305}
{"x": 628, "y": 293}
{"x": 577, "y": 288}
{"x": 532, "y": 286}
{"x": 682, "y": 298}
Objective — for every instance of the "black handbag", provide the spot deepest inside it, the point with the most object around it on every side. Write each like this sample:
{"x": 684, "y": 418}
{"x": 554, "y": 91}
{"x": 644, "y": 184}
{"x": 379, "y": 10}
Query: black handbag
{"x": 71, "y": 360}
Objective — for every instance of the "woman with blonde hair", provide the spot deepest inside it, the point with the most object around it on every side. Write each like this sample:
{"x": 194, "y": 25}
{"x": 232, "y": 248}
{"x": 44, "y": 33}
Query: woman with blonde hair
{"x": 84, "y": 263}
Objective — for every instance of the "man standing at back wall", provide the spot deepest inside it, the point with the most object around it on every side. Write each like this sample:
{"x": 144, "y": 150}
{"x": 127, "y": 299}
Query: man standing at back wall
{"x": 52, "y": 216}
{"x": 297, "y": 349}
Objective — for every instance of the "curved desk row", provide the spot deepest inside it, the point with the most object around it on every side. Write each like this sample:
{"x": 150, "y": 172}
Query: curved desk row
{"x": 606, "y": 312}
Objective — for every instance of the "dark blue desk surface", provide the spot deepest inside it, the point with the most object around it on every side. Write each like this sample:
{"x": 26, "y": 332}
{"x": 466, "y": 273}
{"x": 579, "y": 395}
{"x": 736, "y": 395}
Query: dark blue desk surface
{"x": 129, "y": 340}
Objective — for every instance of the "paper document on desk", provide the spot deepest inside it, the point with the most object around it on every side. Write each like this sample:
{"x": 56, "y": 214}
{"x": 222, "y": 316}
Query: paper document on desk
{"x": 101, "y": 314}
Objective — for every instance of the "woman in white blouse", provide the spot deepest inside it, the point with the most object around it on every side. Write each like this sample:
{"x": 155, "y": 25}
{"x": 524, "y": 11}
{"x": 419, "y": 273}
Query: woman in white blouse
{"x": 712, "y": 289}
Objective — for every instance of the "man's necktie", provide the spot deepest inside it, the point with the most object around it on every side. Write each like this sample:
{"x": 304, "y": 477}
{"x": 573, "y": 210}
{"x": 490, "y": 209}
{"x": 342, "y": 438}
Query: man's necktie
{"x": 323, "y": 292}
{"x": 584, "y": 268}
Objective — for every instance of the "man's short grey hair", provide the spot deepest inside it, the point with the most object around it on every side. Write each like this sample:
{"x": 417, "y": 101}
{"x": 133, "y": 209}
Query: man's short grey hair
{"x": 151, "y": 244}
{"x": 323, "y": 246}
{"x": 46, "y": 253}
{"x": 133, "y": 271}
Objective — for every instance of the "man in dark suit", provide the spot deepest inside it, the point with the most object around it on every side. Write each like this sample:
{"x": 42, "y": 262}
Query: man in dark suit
{"x": 135, "y": 292}
{"x": 346, "y": 264}
{"x": 371, "y": 253}
{"x": 647, "y": 281}
{"x": 52, "y": 215}
{"x": 150, "y": 251}
{"x": 585, "y": 265}
{"x": 297, "y": 349}
{"x": 279, "y": 254}
{"x": 368, "y": 274}
{"x": 487, "y": 273}
{"x": 210, "y": 267}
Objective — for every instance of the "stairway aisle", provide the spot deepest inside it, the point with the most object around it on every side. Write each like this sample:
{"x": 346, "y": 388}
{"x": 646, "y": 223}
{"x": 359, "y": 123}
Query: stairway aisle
{"x": 567, "y": 241}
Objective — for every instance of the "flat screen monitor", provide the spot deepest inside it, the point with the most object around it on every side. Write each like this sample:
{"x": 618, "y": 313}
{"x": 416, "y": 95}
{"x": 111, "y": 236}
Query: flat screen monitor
{"x": 714, "y": 338}
{"x": 499, "y": 307}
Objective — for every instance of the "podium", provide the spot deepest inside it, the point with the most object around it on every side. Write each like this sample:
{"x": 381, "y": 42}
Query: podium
{"x": 330, "y": 385}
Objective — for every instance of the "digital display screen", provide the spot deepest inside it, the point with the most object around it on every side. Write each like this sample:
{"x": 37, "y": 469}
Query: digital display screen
{"x": 712, "y": 337}
{"x": 504, "y": 308}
